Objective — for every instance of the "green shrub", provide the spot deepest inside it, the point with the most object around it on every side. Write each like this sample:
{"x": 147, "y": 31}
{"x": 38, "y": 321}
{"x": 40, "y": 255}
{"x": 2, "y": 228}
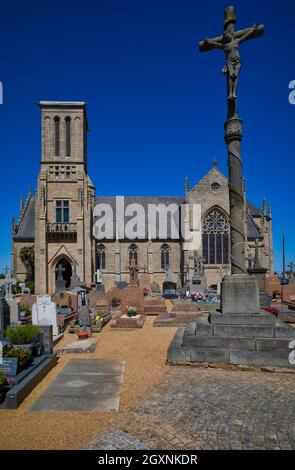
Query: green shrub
{"x": 22, "y": 334}
{"x": 3, "y": 380}
{"x": 31, "y": 286}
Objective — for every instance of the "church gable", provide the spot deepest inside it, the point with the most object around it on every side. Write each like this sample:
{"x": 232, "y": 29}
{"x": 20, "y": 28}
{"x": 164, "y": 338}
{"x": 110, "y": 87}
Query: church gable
{"x": 211, "y": 190}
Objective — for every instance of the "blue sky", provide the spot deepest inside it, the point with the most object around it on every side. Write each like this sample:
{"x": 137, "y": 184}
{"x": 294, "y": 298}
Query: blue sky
{"x": 156, "y": 106}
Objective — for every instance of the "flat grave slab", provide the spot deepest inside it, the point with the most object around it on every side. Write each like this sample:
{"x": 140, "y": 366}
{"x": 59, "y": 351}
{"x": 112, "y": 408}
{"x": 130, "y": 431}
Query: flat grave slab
{"x": 79, "y": 346}
{"x": 84, "y": 385}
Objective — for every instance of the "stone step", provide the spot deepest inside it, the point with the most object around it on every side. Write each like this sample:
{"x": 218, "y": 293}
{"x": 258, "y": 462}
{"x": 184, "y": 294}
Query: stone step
{"x": 243, "y": 331}
{"x": 236, "y": 344}
{"x": 242, "y": 319}
{"x": 247, "y": 358}
{"x": 215, "y": 342}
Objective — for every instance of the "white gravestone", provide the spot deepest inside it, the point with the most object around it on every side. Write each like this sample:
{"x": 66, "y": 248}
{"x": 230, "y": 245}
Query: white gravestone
{"x": 44, "y": 313}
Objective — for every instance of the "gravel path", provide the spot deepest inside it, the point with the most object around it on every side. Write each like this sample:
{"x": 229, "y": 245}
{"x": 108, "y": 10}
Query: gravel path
{"x": 144, "y": 352}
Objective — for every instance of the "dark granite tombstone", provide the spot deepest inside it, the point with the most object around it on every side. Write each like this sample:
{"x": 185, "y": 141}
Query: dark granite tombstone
{"x": 169, "y": 286}
{"x": 46, "y": 338}
{"x": 121, "y": 284}
{"x": 84, "y": 316}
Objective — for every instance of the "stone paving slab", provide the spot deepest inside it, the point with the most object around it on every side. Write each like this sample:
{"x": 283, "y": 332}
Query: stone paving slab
{"x": 80, "y": 346}
{"x": 202, "y": 408}
{"x": 84, "y": 385}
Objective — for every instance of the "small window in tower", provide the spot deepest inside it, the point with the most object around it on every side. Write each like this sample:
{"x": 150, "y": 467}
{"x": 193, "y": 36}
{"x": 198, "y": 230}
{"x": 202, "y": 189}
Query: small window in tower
{"x": 68, "y": 136}
{"x": 57, "y": 135}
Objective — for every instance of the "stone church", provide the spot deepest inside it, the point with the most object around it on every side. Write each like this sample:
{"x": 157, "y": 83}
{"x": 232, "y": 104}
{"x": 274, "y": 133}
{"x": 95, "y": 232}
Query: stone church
{"x": 58, "y": 219}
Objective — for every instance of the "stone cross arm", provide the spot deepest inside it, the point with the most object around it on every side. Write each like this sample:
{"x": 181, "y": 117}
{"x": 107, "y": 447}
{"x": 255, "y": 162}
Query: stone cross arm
{"x": 242, "y": 34}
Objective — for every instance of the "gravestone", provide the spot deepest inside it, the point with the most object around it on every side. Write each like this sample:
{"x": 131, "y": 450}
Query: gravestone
{"x": 288, "y": 292}
{"x": 60, "y": 283}
{"x": 84, "y": 316}
{"x": 75, "y": 280}
{"x": 14, "y": 311}
{"x": 145, "y": 282}
{"x": 169, "y": 286}
{"x": 133, "y": 296}
{"x": 46, "y": 338}
{"x": 69, "y": 299}
{"x": 155, "y": 287}
{"x": 272, "y": 285}
{"x": 44, "y": 313}
{"x": 99, "y": 284}
{"x": 259, "y": 272}
{"x": 121, "y": 284}
{"x": 198, "y": 281}
{"x": 8, "y": 285}
{"x": 4, "y": 313}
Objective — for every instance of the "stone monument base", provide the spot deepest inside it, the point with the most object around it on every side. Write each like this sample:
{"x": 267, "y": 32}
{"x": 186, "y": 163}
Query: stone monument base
{"x": 239, "y": 294}
{"x": 259, "y": 340}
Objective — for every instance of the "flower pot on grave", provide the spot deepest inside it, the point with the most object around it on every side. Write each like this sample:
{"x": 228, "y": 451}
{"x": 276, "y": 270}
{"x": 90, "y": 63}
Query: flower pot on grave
{"x": 82, "y": 335}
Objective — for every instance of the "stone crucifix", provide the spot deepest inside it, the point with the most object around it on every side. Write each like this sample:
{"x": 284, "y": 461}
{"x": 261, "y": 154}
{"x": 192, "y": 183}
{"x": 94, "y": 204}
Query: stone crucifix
{"x": 133, "y": 269}
{"x": 60, "y": 269}
{"x": 229, "y": 42}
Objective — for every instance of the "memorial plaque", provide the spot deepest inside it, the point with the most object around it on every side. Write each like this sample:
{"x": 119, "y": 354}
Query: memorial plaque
{"x": 8, "y": 365}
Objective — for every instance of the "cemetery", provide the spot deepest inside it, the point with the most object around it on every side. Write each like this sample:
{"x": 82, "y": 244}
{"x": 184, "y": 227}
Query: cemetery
{"x": 150, "y": 342}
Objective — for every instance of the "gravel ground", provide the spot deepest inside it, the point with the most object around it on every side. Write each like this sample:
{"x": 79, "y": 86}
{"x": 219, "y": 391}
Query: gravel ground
{"x": 144, "y": 352}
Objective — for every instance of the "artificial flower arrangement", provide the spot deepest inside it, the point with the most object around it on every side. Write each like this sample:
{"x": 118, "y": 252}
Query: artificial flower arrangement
{"x": 131, "y": 311}
{"x": 97, "y": 320}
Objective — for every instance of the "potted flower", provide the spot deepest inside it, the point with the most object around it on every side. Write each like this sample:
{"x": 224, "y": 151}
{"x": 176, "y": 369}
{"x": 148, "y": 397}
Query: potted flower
{"x": 23, "y": 336}
{"x": 131, "y": 311}
{"x": 97, "y": 320}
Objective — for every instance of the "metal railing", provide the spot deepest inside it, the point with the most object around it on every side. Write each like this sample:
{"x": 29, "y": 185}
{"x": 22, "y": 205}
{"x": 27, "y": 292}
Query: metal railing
{"x": 61, "y": 227}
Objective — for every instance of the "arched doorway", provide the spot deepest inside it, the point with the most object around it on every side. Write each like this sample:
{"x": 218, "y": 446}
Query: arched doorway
{"x": 66, "y": 271}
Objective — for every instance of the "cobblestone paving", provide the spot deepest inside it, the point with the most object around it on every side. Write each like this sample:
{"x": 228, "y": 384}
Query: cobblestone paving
{"x": 197, "y": 408}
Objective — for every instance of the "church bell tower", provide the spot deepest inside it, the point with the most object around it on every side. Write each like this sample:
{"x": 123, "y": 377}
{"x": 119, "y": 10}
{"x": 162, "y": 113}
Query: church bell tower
{"x": 65, "y": 197}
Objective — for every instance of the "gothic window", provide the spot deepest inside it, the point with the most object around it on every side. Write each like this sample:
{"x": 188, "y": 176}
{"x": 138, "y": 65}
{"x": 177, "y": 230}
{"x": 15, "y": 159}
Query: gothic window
{"x": 57, "y": 135}
{"x": 133, "y": 253}
{"x": 68, "y": 136}
{"x": 165, "y": 249}
{"x": 216, "y": 238}
{"x": 101, "y": 257}
{"x": 62, "y": 212}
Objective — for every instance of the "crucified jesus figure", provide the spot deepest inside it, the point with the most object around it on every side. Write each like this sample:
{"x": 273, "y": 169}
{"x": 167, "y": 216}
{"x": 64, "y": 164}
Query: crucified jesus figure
{"x": 230, "y": 44}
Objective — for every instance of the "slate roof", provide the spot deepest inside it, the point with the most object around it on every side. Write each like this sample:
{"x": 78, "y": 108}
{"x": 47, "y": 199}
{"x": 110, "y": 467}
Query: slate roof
{"x": 253, "y": 210}
{"x": 253, "y": 231}
{"x": 26, "y": 228}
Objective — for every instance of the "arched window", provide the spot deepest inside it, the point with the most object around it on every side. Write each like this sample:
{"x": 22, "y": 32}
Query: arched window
{"x": 216, "y": 238}
{"x": 101, "y": 257}
{"x": 165, "y": 249}
{"x": 133, "y": 253}
{"x": 68, "y": 136}
{"x": 57, "y": 135}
